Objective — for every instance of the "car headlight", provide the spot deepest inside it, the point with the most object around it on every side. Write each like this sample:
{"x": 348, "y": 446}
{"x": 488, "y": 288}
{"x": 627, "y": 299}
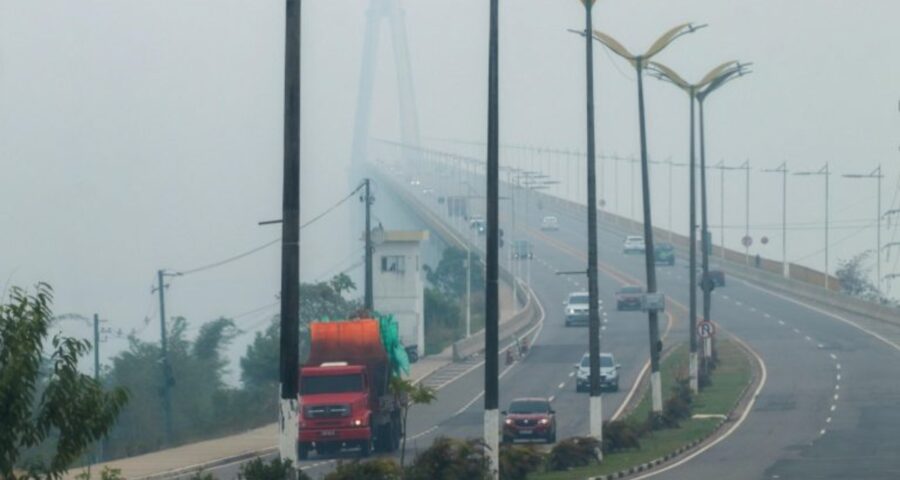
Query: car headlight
{"x": 544, "y": 421}
{"x": 508, "y": 421}
{"x": 570, "y": 311}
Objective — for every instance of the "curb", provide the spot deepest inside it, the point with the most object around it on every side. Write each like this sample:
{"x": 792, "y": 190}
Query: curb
{"x": 208, "y": 465}
{"x": 645, "y": 467}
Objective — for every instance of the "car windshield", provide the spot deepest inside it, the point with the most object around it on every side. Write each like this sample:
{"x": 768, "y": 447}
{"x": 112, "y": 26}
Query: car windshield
{"x": 579, "y": 299}
{"x": 529, "y": 406}
{"x": 317, "y": 384}
{"x": 605, "y": 361}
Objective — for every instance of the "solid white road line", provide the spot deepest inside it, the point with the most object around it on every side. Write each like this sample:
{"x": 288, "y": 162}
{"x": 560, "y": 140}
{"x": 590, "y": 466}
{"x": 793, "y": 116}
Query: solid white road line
{"x": 734, "y": 427}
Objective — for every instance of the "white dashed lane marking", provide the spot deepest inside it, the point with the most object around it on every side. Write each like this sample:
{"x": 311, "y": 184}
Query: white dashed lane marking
{"x": 833, "y": 356}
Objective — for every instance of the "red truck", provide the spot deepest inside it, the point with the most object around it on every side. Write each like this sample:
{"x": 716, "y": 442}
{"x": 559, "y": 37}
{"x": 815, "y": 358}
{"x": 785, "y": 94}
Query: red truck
{"x": 345, "y": 400}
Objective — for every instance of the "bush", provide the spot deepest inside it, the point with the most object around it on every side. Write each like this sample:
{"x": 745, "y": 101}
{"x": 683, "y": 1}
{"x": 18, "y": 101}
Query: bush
{"x": 676, "y": 408}
{"x": 573, "y": 452}
{"x": 449, "y": 459}
{"x": 378, "y": 469}
{"x": 619, "y": 435}
{"x": 517, "y": 461}
{"x": 277, "y": 469}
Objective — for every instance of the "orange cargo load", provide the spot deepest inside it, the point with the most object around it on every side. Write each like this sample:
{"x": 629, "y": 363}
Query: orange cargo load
{"x": 357, "y": 342}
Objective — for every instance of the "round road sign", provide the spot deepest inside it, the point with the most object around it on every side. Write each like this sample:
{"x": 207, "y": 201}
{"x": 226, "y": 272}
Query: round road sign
{"x": 747, "y": 240}
{"x": 764, "y": 240}
{"x": 706, "y": 329}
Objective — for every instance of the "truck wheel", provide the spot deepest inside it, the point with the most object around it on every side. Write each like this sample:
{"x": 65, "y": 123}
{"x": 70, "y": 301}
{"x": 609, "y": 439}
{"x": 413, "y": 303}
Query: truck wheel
{"x": 302, "y": 451}
{"x": 365, "y": 448}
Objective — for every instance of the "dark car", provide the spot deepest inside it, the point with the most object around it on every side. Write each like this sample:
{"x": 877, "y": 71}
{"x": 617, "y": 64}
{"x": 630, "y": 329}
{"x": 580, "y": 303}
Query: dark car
{"x": 529, "y": 418}
{"x": 629, "y": 297}
{"x": 664, "y": 254}
{"x": 717, "y": 277}
{"x": 522, "y": 250}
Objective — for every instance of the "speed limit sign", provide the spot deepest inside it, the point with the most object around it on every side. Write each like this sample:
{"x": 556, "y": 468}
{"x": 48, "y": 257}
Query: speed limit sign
{"x": 706, "y": 329}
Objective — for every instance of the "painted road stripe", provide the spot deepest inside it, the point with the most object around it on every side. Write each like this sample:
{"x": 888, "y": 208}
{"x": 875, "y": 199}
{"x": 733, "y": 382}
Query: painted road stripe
{"x": 833, "y": 356}
{"x": 561, "y": 385}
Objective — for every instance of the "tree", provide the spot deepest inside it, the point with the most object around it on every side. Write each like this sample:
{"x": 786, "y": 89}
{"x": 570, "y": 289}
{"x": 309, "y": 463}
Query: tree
{"x": 853, "y": 275}
{"x": 450, "y": 275}
{"x": 323, "y": 300}
{"x": 408, "y": 394}
{"x": 72, "y": 411}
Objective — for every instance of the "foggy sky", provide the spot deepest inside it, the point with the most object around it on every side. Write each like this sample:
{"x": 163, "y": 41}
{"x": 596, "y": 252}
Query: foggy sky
{"x": 138, "y": 135}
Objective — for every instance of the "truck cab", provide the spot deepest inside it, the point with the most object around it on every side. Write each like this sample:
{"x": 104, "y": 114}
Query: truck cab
{"x": 335, "y": 407}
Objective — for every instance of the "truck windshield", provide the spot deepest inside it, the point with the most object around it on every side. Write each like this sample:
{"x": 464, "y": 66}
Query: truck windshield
{"x": 313, "y": 385}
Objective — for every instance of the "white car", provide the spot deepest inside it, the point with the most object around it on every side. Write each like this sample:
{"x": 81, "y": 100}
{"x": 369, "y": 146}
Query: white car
{"x": 609, "y": 373}
{"x": 577, "y": 308}
{"x": 549, "y": 223}
{"x": 634, "y": 244}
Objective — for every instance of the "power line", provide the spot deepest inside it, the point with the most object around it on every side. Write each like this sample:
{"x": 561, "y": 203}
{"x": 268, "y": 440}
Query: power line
{"x": 269, "y": 243}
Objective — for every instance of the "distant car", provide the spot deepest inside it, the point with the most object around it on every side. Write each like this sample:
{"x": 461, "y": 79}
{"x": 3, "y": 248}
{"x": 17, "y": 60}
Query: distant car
{"x": 634, "y": 244}
{"x": 415, "y": 182}
{"x": 576, "y": 308}
{"x": 549, "y": 223}
{"x": 522, "y": 250}
{"x": 664, "y": 254}
{"x": 629, "y": 297}
{"x": 427, "y": 191}
{"x": 609, "y": 373}
{"x": 529, "y": 418}
{"x": 478, "y": 224}
{"x": 716, "y": 276}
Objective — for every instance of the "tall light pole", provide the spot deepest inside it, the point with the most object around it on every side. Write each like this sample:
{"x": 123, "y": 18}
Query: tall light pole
{"x": 596, "y": 400}
{"x": 640, "y": 62}
{"x": 665, "y": 73}
{"x": 876, "y": 174}
{"x": 289, "y": 347}
{"x": 492, "y": 307}
{"x": 722, "y": 168}
{"x": 702, "y": 94}
{"x": 783, "y": 170}
{"x": 824, "y": 172}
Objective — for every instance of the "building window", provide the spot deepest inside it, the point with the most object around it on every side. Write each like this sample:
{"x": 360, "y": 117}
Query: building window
{"x": 393, "y": 263}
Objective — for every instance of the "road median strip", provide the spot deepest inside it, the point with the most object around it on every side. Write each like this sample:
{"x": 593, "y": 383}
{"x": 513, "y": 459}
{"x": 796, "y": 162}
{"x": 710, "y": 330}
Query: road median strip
{"x": 717, "y": 406}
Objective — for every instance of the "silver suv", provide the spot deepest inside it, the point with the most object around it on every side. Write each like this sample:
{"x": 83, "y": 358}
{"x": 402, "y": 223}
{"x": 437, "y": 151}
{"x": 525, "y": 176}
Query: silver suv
{"x": 576, "y": 308}
{"x": 609, "y": 373}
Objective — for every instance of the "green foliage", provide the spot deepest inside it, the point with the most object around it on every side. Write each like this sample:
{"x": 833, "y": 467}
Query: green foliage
{"x": 443, "y": 320}
{"x": 517, "y": 461}
{"x": 409, "y": 394}
{"x": 106, "y": 474}
{"x": 327, "y": 300}
{"x": 676, "y": 408}
{"x": 201, "y": 475}
{"x": 378, "y": 469}
{"x": 277, "y": 469}
{"x": 449, "y": 459}
{"x": 619, "y": 435}
{"x": 54, "y": 404}
{"x": 573, "y": 452}
{"x": 450, "y": 275}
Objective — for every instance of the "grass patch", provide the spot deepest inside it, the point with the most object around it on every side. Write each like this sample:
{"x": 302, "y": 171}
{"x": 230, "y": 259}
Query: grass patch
{"x": 728, "y": 382}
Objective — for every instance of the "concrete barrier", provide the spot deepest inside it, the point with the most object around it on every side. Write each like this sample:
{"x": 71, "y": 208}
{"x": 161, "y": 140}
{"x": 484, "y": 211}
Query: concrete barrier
{"x": 805, "y": 283}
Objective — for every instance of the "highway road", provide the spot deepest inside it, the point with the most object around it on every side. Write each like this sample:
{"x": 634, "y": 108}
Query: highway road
{"x": 827, "y": 410}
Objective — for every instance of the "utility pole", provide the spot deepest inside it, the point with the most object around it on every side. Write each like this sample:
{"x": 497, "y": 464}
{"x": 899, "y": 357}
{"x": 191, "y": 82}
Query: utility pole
{"x": 369, "y": 296}
{"x": 783, "y": 170}
{"x": 167, "y": 380}
{"x": 596, "y": 398}
{"x": 289, "y": 348}
{"x": 825, "y": 172}
{"x": 876, "y": 174}
{"x": 492, "y": 307}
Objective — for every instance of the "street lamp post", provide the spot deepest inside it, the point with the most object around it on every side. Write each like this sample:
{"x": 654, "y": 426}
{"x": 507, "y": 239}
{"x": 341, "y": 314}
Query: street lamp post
{"x": 596, "y": 403}
{"x": 665, "y": 73}
{"x": 825, "y": 172}
{"x": 783, "y": 170}
{"x": 640, "y": 62}
{"x": 706, "y": 282}
{"x": 876, "y": 174}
